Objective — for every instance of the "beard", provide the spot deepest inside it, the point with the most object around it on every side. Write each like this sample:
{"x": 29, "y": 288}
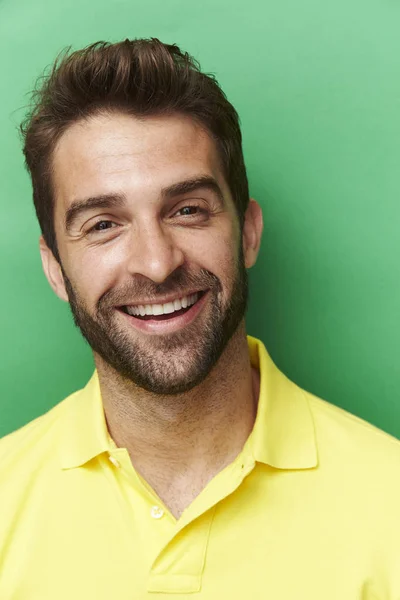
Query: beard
{"x": 172, "y": 363}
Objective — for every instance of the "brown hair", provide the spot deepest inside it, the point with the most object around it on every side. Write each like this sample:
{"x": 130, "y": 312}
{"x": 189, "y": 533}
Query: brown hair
{"x": 142, "y": 77}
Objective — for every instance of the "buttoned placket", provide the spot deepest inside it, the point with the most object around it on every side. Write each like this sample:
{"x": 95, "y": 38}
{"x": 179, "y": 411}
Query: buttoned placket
{"x": 166, "y": 574}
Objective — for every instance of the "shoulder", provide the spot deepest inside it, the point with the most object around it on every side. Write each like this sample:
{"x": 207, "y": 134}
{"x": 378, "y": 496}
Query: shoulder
{"x": 354, "y": 443}
{"x": 36, "y": 441}
{"x": 332, "y": 417}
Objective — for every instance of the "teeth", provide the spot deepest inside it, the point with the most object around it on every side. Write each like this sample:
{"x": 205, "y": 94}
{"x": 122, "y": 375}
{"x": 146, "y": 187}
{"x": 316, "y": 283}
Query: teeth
{"x": 168, "y": 308}
{"x": 158, "y": 309}
{"x": 162, "y": 309}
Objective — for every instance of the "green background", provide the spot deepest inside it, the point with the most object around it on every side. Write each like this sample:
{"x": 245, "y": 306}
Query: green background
{"x": 317, "y": 87}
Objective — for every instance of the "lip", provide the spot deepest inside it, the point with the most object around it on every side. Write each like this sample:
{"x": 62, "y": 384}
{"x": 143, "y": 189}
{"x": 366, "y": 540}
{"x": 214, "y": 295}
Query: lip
{"x": 164, "y": 300}
{"x": 155, "y": 327}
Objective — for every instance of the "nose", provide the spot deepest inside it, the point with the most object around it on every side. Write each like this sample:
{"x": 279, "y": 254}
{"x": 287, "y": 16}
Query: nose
{"x": 154, "y": 252}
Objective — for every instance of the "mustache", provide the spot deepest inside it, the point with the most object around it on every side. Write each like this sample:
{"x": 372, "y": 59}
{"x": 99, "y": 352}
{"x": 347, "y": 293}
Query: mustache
{"x": 178, "y": 281}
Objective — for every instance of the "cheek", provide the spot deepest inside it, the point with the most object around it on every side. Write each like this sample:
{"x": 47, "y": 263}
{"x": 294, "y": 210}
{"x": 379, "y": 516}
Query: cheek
{"x": 94, "y": 271}
{"x": 219, "y": 256}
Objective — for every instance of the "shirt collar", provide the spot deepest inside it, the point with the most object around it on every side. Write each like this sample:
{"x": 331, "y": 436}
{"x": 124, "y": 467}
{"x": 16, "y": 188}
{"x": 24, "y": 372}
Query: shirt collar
{"x": 85, "y": 433}
{"x": 283, "y": 435}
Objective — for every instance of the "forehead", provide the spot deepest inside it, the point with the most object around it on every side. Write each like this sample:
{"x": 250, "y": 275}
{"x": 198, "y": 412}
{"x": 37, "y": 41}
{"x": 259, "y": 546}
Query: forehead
{"x": 111, "y": 153}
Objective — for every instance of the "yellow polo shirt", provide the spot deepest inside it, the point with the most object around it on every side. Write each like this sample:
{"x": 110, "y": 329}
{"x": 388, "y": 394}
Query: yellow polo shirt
{"x": 309, "y": 510}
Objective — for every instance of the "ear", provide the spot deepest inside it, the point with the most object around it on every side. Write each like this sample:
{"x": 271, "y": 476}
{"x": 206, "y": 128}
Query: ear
{"x": 52, "y": 270}
{"x": 252, "y": 232}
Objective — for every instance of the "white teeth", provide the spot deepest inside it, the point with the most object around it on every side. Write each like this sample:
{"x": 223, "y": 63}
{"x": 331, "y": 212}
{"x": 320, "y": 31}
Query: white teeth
{"x": 168, "y": 308}
{"x": 158, "y": 309}
{"x": 162, "y": 309}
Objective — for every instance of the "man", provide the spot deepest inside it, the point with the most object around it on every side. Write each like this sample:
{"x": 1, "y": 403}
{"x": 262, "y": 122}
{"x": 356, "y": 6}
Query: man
{"x": 189, "y": 466}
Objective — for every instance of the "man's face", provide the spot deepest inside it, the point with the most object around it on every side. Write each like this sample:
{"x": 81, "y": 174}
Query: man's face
{"x": 146, "y": 224}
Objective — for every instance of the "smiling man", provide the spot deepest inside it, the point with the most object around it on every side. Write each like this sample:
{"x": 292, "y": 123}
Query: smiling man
{"x": 189, "y": 465}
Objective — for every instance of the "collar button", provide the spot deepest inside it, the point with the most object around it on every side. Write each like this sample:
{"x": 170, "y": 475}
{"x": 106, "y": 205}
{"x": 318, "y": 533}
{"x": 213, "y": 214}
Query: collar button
{"x": 156, "y": 512}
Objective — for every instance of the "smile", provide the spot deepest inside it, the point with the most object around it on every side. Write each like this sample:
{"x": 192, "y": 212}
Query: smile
{"x": 155, "y": 310}
{"x": 165, "y": 318}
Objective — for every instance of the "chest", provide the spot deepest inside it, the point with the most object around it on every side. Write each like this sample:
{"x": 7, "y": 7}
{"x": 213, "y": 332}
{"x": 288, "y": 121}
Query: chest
{"x": 97, "y": 537}
{"x": 178, "y": 493}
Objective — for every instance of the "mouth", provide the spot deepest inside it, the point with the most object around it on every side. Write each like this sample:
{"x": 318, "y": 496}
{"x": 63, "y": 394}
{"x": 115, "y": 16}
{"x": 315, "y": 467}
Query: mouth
{"x": 161, "y": 312}
{"x": 165, "y": 318}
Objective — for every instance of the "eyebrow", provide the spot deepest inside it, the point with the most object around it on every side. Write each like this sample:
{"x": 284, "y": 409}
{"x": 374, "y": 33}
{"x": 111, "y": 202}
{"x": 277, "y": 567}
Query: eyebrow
{"x": 180, "y": 188}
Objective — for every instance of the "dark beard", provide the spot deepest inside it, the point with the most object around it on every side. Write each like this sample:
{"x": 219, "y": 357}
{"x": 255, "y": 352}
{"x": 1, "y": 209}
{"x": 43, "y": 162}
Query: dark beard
{"x": 159, "y": 371}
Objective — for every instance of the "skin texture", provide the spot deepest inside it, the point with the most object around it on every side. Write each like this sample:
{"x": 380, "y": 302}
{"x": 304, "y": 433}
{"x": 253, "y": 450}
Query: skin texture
{"x": 182, "y": 403}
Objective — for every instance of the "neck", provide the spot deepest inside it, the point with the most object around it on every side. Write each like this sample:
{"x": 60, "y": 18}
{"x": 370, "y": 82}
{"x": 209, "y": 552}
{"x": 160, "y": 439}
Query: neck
{"x": 180, "y": 442}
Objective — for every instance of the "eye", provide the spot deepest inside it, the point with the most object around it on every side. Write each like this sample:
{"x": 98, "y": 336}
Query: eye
{"x": 191, "y": 210}
{"x": 102, "y": 225}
